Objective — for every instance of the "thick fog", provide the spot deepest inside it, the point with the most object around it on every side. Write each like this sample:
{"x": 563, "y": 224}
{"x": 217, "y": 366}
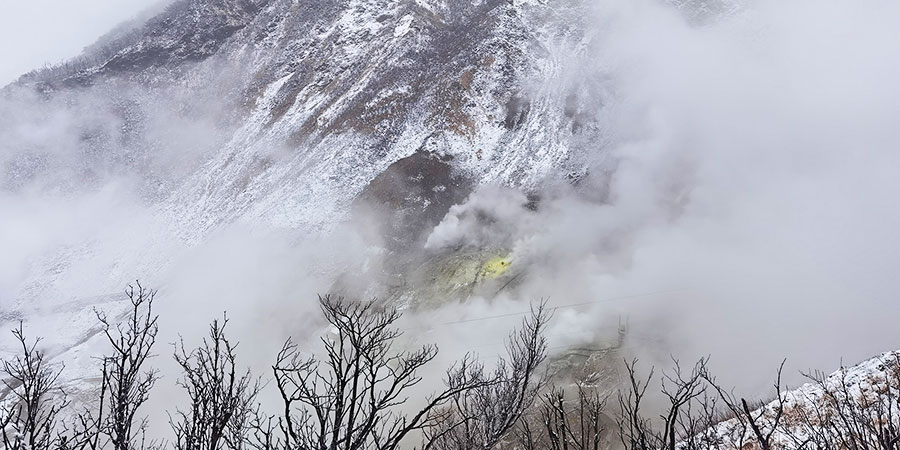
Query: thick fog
{"x": 752, "y": 194}
{"x": 757, "y": 166}
{"x": 750, "y": 215}
{"x": 741, "y": 207}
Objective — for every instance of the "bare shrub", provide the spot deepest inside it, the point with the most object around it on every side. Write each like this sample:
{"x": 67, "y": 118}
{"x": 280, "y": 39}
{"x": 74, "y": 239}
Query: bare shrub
{"x": 355, "y": 397}
{"x": 33, "y": 398}
{"x": 221, "y": 400}
{"x": 480, "y": 418}
{"x": 349, "y": 399}
{"x": 561, "y": 424}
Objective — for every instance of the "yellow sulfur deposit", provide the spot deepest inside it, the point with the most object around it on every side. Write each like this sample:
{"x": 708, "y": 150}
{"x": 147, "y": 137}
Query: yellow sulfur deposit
{"x": 495, "y": 267}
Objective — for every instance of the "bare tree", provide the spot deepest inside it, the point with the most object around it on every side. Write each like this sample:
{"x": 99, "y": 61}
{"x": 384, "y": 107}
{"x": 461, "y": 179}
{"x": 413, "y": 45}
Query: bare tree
{"x": 752, "y": 422}
{"x": 349, "y": 399}
{"x": 125, "y": 383}
{"x": 34, "y": 399}
{"x": 681, "y": 391}
{"x": 479, "y": 418}
{"x": 635, "y": 430}
{"x": 696, "y": 406}
{"x": 355, "y": 398}
{"x": 563, "y": 424}
{"x": 859, "y": 414}
{"x": 763, "y": 423}
{"x": 221, "y": 401}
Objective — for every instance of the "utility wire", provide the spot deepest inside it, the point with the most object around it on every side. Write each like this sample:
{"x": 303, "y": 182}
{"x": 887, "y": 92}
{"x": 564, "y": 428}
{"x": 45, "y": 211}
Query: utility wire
{"x": 573, "y": 305}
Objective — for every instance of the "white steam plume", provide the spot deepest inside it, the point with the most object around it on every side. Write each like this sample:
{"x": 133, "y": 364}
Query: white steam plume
{"x": 757, "y": 164}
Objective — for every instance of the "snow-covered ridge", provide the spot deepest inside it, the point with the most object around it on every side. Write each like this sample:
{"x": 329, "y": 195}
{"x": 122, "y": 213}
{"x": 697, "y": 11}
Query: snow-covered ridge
{"x": 851, "y": 405}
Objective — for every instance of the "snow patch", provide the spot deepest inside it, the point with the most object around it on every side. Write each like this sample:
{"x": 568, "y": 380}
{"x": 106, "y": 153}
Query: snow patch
{"x": 403, "y": 26}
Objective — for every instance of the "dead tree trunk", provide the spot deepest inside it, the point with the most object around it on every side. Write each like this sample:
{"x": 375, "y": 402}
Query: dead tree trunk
{"x": 221, "y": 400}
{"x": 480, "y": 418}
{"x": 350, "y": 399}
{"x": 34, "y": 400}
{"x": 125, "y": 380}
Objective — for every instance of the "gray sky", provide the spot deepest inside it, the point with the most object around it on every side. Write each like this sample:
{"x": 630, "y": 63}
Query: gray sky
{"x": 35, "y": 32}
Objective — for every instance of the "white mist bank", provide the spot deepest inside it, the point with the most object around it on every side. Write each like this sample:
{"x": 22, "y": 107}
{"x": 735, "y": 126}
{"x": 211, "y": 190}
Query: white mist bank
{"x": 756, "y": 164}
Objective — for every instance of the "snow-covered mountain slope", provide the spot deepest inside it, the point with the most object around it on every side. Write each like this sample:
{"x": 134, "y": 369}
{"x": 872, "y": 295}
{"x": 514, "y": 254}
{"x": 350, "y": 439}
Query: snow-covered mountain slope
{"x": 853, "y": 406}
{"x": 287, "y": 117}
{"x": 316, "y": 99}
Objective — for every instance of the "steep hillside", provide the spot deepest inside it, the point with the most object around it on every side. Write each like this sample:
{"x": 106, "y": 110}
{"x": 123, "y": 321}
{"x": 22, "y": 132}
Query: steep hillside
{"x": 318, "y": 102}
{"x": 854, "y": 407}
{"x": 296, "y": 116}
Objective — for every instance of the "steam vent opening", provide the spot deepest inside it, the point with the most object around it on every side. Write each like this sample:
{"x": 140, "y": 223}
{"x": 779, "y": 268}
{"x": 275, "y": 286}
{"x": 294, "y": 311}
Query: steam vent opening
{"x": 495, "y": 267}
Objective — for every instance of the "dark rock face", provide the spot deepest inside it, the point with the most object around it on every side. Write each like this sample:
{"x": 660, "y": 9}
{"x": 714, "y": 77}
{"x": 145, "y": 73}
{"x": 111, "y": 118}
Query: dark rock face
{"x": 187, "y": 31}
{"x": 410, "y": 198}
{"x": 516, "y": 112}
